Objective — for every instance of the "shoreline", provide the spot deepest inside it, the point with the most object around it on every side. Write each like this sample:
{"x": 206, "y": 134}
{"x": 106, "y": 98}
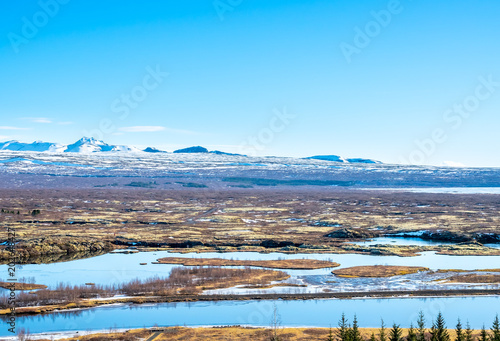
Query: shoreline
{"x": 40, "y": 310}
{"x": 224, "y": 329}
{"x": 347, "y": 248}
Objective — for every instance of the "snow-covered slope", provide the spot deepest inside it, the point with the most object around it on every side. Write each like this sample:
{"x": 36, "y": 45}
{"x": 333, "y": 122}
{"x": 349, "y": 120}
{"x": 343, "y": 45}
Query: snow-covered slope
{"x": 359, "y": 160}
{"x": 88, "y": 145}
{"x": 37, "y": 146}
{"x": 334, "y": 158}
{"x": 153, "y": 150}
{"x": 91, "y": 145}
{"x": 95, "y": 169}
{"x": 84, "y": 145}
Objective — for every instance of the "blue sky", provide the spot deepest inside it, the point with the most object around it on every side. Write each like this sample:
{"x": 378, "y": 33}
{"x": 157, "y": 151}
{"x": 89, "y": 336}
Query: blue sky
{"x": 412, "y": 81}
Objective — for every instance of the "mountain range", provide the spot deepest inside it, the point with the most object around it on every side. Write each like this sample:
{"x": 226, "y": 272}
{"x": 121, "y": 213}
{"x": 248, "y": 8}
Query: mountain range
{"x": 91, "y": 145}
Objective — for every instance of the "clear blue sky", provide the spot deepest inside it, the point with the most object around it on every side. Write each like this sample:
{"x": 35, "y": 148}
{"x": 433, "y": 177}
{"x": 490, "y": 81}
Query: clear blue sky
{"x": 232, "y": 65}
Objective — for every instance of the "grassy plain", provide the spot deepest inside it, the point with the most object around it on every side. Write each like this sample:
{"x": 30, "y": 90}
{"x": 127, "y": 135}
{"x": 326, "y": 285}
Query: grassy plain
{"x": 232, "y": 333}
{"x": 290, "y": 220}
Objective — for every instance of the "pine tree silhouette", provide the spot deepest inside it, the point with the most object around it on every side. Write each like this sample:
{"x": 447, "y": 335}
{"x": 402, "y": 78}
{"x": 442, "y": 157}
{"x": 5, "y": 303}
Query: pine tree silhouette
{"x": 396, "y": 333}
{"x": 495, "y": 330}
{"x": 438, "y": 330}
{"x": 459, "y": 332}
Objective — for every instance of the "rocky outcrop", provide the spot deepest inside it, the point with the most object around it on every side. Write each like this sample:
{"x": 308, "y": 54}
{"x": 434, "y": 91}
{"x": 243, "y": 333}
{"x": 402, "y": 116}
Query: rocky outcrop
{"x": 487, "y": 238}
{"x": 64, "y": 245}
{"x": 446, "y": 236}
{"x": 454, "y": 237}
{"x": 273, "y": 243}
{"x": 350, "y": 233}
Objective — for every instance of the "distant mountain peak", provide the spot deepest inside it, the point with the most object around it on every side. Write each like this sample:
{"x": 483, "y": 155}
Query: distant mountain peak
{"x": 92, "y": 145}
{"x": 334, "y": 158}
{"x": 153, "y": 150}
{"x": 88, "y": 145}
{"x": 361, "y": 160}
{"x": 36, "y": 146}
{"x": 195, "y": 149}
{"x": 90, "y": 140}
{"x": 83, "y": 145}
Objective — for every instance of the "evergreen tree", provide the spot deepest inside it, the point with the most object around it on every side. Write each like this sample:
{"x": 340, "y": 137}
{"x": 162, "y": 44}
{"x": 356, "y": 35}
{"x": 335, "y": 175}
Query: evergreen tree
{"x": 381, "y": 333}
{"x": 355, "y": 334}
{"x": 459, "y": 332}
{"x": 468, "y": 333}
{"x": 433, "y": 332}
{"x": 438, "y": 330}
{"x": 396, "y": 334}
{"x": 343, "y": 329}
{"x": 495, "y": 330}
{"x": 421, "y": 327}
{"x": 483, "y": 336}
{"x": 372, "y": 337}
{"x": 330, "y": 335}
{"x": 412, "y": 334}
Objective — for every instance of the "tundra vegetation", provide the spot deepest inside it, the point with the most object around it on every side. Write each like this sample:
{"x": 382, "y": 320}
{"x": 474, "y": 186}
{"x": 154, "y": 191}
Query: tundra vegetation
{"x": 297, "y": 264}
{"x": 378, "y": 271}
{"x": 62, "y": 223}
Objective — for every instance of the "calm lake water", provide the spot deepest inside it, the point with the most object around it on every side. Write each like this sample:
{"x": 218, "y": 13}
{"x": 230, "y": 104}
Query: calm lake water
{"x": 119, "y": 268}
{"x": 400, "y": 241}
{"x": 314, "y": 313}
{"x": 409, "y": 241}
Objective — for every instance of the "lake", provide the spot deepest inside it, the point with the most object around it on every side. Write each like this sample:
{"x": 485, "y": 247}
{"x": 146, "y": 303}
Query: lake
{"x": 313, "y": 313}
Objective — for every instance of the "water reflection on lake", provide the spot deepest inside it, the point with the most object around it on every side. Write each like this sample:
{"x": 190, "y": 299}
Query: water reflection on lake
{"x": 118, "y": 268}
{"x": 317, "y": 313}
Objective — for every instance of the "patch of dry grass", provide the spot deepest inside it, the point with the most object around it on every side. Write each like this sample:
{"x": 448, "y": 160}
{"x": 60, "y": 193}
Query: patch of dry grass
{"x": 297, "y": 264}
{"x": 474, "y": 278}
{"x": 378, "y": 271}
{"x": 22, "y": 286}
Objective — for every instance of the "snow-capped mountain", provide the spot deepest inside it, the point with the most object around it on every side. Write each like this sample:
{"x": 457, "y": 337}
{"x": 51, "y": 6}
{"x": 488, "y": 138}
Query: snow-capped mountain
{"x": 37, "y": 146}
{"x": 87, "y": 144}
{"x": 84, "y": 145}
{"x": 334, "y": 158}
{"x": 92, "y": 145}
{"x": 359, "y": 160}
{"x": 153, "y": 150}
{"x": 196, "y": 149}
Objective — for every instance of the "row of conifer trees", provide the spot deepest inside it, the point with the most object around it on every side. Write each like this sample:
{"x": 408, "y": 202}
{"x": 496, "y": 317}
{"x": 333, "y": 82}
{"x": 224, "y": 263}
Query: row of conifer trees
{"x": 437, "y": 332}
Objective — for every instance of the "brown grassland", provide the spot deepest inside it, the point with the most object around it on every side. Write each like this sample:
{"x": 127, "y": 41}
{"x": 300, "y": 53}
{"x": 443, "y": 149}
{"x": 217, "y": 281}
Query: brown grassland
{"x": 230, "y": 333}
{"x": 458, "y": 270}
{"x": 22, "y": 286}
{"x": 474, "y": 278}
{"x": 298, "y": 264}
{"x": 88, "y": 221}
